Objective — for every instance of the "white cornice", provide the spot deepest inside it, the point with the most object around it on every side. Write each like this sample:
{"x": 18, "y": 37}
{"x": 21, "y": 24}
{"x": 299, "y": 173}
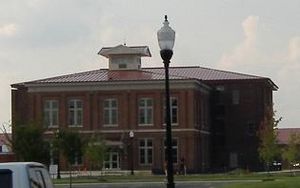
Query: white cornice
{"x": 116, "y": 85}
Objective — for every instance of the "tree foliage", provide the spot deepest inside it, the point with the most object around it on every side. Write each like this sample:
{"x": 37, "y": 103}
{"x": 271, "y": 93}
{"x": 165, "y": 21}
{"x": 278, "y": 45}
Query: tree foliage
{"x": 95, "y": 151}
{"x": 71, "y": 144}
{"x": 268, "y": 149}
{"x": 28, "y": 143}
{"x": 292, "y": 152}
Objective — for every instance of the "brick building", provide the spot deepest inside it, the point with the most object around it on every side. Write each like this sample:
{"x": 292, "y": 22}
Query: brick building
{"x": 6, "y": 154}
{"x": 214, "y": 113}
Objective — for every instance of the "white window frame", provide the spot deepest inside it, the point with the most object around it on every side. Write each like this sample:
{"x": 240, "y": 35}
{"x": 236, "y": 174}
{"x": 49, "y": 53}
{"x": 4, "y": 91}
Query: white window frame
{"x": 78, "y": 111}
{"x": 146, "y": 148}
{"x": 51, "y": 112}
{"x": 110, "y": 109}
{"x": 173, "y": 123}
{"x": 235, "y": 97}
{"x": 146, "y": 110}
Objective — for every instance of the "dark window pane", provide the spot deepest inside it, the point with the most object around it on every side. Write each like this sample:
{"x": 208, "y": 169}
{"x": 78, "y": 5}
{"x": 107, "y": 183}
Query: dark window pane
{"x": 142, "y": 143}
{"x": 149, "y": 143}
{"x": 149, "y": 102}
{"x": 6, "y": 178}
{"x": 114, "y": 103}
{"x": 55, "y": 104}
{"x": 149, "y": 156}
{"x": 142, "y": 156}
{"x": 79, "y": 104}
{"x": 141, "y": 102}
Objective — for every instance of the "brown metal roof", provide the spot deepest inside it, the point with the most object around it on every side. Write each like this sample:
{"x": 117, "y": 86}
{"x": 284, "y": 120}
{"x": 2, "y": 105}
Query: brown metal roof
{"x": 204, "y": 73}
{"x": 102, "y": 75}
{"x": 284, "y": 134}
{"x": 106, "y": 75}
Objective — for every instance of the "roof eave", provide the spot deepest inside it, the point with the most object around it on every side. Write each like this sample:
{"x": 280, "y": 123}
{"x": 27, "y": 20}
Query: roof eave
{"x": 108, "y": 51}
{"x": 174, "y": 83}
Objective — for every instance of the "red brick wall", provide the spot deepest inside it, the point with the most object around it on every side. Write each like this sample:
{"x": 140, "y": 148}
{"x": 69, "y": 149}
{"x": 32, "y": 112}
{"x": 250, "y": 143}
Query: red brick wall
{"x": 194, "y": 112}
{"x": 7, "y": 157}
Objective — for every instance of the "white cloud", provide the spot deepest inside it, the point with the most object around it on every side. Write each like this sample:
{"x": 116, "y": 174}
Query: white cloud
{"x": 35, "y": 3}
{"x": 250, "y": 30}
{"x": 288, "y": 81}
{"x": 294, "y": 49}
{"x": 6, "y": 80}
{"x": 243, "y": 52}
{"x": 8, "y": 30}
{"x": 289, "y": 71}
{"x": 282, "y": 66}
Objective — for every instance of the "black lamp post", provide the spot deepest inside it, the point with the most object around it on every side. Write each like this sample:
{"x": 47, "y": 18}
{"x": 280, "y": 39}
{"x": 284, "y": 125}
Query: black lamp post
{"x": 166, "y": 38}
{"x": 57, "y": 135}
{"x": 131, "y": 136}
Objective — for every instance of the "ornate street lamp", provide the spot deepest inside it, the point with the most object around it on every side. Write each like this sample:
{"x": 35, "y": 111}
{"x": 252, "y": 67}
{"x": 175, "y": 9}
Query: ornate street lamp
{"x": 131, "y": 136}
{"x": 166, "y": 38}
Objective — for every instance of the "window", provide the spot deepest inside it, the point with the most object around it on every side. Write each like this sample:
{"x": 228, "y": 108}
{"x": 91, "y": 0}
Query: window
{"x": 76, "y": 159}
{"x": 220, "y": 88}
{"x": 110, "y": 109}
{"x": 4, "y": 148}
{"x": 145, "y": 151}
{"x": 173, "y": 111}
{"x": 218, "y": 95}
{"x": 75, "y": 113}
{"x": 111, "y": 160}
{"x": 251, "y": 128}
{"x": 145, "y": 111}
{"x": 6, "y": 180}
{"x": 39, "y": 177}
{"x": 174, "y": 150}
{"x": 233, "y": 160}
{"x": 51, "y": 113}
{"x": 235, "y": 97}
{"x": 122, "y": 66}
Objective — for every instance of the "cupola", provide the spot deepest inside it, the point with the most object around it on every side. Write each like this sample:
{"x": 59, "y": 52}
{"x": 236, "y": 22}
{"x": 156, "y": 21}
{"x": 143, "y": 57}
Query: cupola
{"x": 124, "y": 57}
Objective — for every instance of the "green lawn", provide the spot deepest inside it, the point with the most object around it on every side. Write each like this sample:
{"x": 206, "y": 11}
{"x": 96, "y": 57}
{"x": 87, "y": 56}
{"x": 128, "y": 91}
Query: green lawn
{"x": 110, "y": 179}
{"x": 280, "y": 180}
{"x": 287, "y": 182}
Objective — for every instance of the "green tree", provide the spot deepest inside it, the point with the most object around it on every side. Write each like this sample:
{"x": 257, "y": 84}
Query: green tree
{"x": 268, "y": 148}
{"x": 56, "y": 150}
{"x": 72, "y": 145}
{"x": 292, "y": 152}
{"x": 28, "y": 143}
{"x": 95, "y": 151}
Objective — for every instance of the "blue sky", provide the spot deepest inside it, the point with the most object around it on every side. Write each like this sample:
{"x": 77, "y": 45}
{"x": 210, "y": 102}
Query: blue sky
{"x": 44, "y": 38}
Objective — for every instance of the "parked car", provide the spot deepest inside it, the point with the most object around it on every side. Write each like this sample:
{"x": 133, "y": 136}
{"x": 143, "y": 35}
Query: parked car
{"x": 276, "y": 166}
{"x": 296, "y": 165}
{"x": 24, "y": 175}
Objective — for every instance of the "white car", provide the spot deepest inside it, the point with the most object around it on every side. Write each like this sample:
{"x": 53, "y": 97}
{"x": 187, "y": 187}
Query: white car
{"x": 24, "y": 175}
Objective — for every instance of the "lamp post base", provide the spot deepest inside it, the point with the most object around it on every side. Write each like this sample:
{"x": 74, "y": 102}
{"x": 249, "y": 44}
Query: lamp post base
{"x": 171, "y": 185}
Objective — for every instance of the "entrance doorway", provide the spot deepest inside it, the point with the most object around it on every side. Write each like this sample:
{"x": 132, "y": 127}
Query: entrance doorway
{"x": 112, "y": 161}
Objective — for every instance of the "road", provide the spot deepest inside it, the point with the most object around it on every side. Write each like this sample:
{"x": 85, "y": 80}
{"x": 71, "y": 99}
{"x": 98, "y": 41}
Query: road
{"x": 189, "y": 184}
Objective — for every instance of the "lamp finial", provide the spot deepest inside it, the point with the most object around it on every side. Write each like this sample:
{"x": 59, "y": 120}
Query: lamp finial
{"x": 166, "y": 18}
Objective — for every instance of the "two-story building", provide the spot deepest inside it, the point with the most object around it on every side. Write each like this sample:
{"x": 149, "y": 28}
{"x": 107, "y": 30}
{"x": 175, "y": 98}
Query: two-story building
{"x": 6, "y": 154}
{"x": 214, "y": 113}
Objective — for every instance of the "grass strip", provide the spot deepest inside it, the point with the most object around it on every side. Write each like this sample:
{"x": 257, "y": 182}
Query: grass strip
{"x": 265, "y": 178}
